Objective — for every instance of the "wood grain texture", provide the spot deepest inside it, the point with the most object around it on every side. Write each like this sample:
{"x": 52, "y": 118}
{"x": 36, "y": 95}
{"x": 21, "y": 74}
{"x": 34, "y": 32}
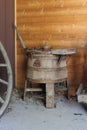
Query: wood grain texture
{"x": 60, "y": 23}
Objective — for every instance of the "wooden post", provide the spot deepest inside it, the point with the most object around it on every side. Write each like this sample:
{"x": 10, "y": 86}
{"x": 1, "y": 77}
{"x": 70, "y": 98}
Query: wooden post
{"x": 49, "y": 95}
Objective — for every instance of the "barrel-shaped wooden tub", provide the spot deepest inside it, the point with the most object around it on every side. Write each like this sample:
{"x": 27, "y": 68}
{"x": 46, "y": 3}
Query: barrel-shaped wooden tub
{"x": 46, "y": 68}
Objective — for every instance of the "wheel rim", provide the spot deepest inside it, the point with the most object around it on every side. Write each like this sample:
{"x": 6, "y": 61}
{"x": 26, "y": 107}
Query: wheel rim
{"x": 8, "y": 83}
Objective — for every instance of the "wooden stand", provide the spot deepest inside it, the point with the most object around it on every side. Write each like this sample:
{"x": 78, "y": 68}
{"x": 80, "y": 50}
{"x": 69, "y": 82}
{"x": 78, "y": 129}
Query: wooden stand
{"x": 49, "y": 88}
{"x": 49, "y": 92}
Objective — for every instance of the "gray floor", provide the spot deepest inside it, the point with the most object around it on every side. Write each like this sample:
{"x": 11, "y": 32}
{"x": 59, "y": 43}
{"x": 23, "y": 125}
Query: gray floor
{"x": 32, "y": 115}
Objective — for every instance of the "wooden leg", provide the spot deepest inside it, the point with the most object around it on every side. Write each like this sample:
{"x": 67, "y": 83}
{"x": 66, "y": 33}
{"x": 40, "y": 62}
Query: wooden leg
{"x": 25, "y": 89}
{"x": 49, "y": 95}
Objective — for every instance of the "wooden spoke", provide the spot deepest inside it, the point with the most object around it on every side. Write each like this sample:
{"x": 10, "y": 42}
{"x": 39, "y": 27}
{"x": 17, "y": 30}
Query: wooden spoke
{"x": 3, "y": 65}
{"x": 1, "y": 100}
{"x": 3, "y": 81}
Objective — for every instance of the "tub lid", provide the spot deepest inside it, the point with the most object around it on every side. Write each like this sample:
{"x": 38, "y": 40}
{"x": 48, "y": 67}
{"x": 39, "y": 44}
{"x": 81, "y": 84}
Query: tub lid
{"x": 64, "y": 51}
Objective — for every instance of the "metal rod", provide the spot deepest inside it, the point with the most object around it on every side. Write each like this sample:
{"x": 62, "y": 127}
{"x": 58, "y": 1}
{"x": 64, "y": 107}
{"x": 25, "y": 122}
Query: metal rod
{"x": 20, "y": 38}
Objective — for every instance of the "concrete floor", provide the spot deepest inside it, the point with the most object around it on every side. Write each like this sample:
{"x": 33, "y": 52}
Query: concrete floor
{"x": 32, "y": 115}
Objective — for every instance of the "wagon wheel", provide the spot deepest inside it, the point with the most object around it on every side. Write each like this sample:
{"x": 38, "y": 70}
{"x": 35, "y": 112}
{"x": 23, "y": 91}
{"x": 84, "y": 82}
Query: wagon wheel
{"x": 7, "y": 83}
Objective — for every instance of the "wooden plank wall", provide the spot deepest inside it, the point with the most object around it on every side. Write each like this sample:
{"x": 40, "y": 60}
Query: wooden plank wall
{"x": 60, "y": 23}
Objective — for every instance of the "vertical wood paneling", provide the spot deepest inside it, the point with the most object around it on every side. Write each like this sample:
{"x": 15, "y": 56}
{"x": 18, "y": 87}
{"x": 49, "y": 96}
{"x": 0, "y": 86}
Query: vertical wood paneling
{"x": 2, "y": 21}
{"x": 9, "y": 31}
{"x": 60, "y": 23}
{"x": 6, "y": 28}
